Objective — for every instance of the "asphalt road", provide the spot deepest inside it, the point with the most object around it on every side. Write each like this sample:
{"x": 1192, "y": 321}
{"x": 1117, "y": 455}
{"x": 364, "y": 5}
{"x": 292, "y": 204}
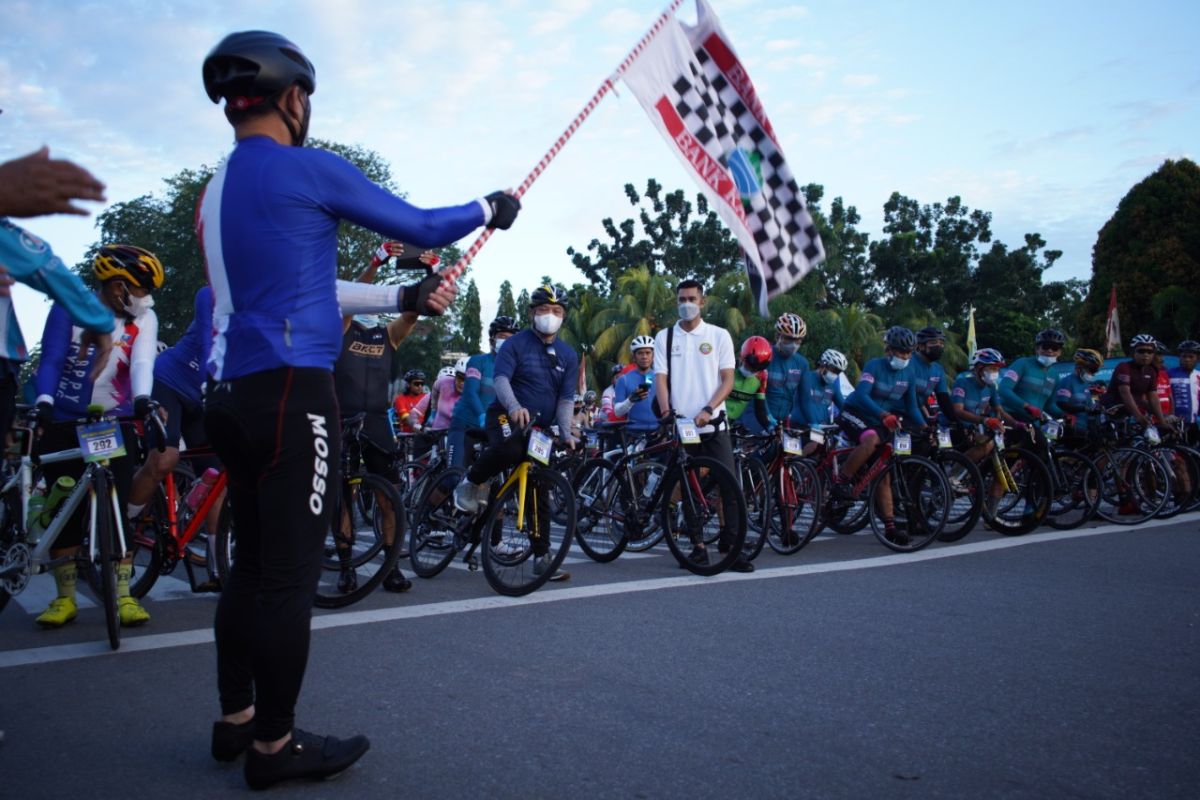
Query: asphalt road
{"x": 1053, "y": 665}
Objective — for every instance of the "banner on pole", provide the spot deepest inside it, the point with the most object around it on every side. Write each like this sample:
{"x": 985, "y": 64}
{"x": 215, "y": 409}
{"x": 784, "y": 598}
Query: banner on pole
{"x": 700, "y": 97}
{"x": 1112, "y": 327}
{"x": 972, "y": 343}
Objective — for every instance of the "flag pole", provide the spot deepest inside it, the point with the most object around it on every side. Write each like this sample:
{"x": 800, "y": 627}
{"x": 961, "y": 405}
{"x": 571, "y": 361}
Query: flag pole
{"x": 457, "y": 270}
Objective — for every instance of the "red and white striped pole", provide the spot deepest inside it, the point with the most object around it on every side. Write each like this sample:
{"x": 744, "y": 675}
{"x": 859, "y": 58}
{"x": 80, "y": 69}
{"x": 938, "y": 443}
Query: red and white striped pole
{"x": 454, "y": 272}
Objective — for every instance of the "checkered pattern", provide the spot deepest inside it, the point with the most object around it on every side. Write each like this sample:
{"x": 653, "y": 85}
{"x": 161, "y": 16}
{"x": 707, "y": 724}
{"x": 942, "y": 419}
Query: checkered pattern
{"x": 787, "y": 239}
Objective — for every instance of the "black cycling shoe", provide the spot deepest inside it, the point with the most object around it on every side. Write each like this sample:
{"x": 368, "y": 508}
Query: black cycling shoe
{"x": 306, "y": 756}
{"x": 741, "y": 565}
{"x": 347, "y": 581}
{"x": 396, "y": 582}
{"x": 230, "y": 740}
{"x": 698, "y": 556}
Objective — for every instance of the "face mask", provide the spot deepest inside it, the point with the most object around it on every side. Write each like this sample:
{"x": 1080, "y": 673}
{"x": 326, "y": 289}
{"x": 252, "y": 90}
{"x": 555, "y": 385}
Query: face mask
{"x": 1090, "y": 377}
{"x": 689, "y": 311}
{"x": 829, "y": 378}
{"x": 547, "y": 323}
{"x": 934, "y": 353}
{"x": 787, "y": 349}
{"x": 749, "y": 373}
{"x": 366, "y": 320}
{"x": 899, "y": 363}
{"x": 991, "y": 378}
{"x": 136, "y": 306}
{"x": 1046, "y": 361}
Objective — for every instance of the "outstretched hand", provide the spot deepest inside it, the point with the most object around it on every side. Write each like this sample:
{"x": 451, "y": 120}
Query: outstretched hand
{"x": 36, "y": 184}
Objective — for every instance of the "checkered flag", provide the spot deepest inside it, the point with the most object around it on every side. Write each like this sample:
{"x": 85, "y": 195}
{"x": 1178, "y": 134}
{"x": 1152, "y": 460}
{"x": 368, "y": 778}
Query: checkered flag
{"x": 700, "y": 97}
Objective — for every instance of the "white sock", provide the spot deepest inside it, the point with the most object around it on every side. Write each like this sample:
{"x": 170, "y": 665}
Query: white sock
{"x": 132, "y": 510}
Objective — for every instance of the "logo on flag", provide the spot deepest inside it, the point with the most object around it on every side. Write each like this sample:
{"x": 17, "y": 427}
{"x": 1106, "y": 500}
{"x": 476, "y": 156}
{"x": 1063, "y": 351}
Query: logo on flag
{"x": 700, "y": 97}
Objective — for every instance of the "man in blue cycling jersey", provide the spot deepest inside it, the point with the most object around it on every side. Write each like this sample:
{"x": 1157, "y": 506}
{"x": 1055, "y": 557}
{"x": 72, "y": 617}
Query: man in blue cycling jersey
{"x": 634, "y": 397}
{"x": 1073, "y": 397}
{"x": 929, "y": 376}
{"x": 821, "y": 390}
{"x": 1028, "y": 383}
{"x": 1185, "y": 383}
{"x": 786, "y": 370}
{"x": 478, "y": 390}
{"x": 268, "y": 222}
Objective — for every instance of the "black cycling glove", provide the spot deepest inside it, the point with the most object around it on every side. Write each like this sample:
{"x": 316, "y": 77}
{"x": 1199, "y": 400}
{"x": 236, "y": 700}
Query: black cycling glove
{"x": 415, "y": 296}
{"x": 504, "y": 209}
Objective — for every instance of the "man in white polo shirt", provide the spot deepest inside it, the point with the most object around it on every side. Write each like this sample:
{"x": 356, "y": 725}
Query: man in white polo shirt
{"x": 701, "y": 365}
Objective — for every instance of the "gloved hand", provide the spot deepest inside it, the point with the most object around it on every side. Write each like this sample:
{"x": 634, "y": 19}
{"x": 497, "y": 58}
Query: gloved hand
{"x": 42, "y": 415}
{"x": 1033, "y": 411}
{"x": 142, "y": 406}
{"x": 416, "y": 297}
{"x": 504, "y": 209}
{"x": 994, "y": 424}
{"x": 891, "y": 422}
{"x": 1071, "y": 420}
{"x": 386, "y": 251}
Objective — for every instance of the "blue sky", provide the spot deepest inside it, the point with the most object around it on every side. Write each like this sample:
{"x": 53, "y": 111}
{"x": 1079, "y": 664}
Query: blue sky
{"x": 1044, "y": 114}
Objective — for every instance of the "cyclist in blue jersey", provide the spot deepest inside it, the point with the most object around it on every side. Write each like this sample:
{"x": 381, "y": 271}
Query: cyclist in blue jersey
{"x": 68, "y": 384}
{"x": 478, "y": 390}
{"x": 1185, "y": 383}
{"x": 635, "y": 389}
{"x": 975, "y": 401}
{"x": 886, "y": 389}
{"x": 1029, "y": 382}
{"x": 1073, "y": 396}
{"x": 268, "y": 223}
{"x": 930, "y": 377}
{"x": 786, "y": 370}
{"x": 28, "y": 259}
{"x": 821, "y": 392}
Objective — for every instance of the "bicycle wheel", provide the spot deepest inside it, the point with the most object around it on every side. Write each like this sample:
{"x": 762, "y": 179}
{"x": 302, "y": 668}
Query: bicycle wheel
{"x": 757, "y": 493}
{"x": 373, "y": 545}
{"x": 796, "y": 516}
{"x": 920, "y": 503}
{"x": 697, "y": 501}
{"x": 149, "y": 542}
{"x": 431, "y": 541}
{"x": 412, "y": 483}
{"x": 226, "y": 542}
{"x": 601, "y": 502}
{"x": 1193, "y": 456}
{"x": 966, "y": 494}
{"x": 643, "y": 524}
{"x": 1077, "y": 483}
{"x": 519, "y": 555}
{"x": 1018, "y": 510}
{"x": 107, "y": 559}
{"x": 1135, "y": 486}
{"x": 1181, "y": 470}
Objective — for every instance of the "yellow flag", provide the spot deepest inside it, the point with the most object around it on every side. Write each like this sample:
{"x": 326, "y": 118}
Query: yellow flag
{"x": 972, "y": 345}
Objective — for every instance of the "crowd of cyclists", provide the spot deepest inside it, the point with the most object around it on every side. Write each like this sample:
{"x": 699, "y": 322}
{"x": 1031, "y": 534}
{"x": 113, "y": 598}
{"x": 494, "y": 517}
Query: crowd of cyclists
{"x": 264, "y": 378}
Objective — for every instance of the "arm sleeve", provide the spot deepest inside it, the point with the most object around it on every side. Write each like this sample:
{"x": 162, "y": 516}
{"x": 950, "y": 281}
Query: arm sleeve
{"x": 866, "y": 403}
{"x": 915, "y": 414}
{"x": 56, "y": 341}
{"x": 504, "y": 394}
{"x": 351, "y": 195}
{"x": 31, "y": 261}
{"x": 141, "y": 357}
{"x": 416, "y": 416}
{"x": 564, "y": 416}
{"x": 621, "y": 397}
{"x": 1008, "y": 395}
{"x": 367, "y": 298}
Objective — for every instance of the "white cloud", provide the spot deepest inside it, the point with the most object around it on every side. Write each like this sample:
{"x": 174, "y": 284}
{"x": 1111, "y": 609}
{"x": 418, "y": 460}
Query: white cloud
{"x": 622, "y": 20}
{"x": 860, "y": 80}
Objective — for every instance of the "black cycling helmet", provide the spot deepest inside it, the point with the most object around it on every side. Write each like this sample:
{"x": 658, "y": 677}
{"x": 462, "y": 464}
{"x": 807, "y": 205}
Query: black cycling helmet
{"x": 256, "y": 65}
{"x": 548, "y": 295}
{"x": 1188, "y": 346}
{"x": 900, "y": 338}
{"x": 414, "y": 375}
{"x": 502, "y": 324}
{"x": 1050, "y": 336}
{"x": 930, "y": 334}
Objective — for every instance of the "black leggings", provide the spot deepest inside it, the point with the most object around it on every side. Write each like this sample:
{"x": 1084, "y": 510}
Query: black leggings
{"x": 278, "y": 434}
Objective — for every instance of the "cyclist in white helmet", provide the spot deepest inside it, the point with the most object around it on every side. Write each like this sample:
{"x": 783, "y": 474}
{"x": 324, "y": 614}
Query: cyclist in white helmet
{"x": 634, "y": 390}
{"x": 787, "y": 370}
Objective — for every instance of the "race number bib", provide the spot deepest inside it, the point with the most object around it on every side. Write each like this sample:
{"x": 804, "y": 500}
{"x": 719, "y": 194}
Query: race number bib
{"x": 540, "y": 446}
{"x": 816, "y": 436}
{"x": 1152, "y": 436}
{"x": 1052, "y": 430}
{"x": 687, "y": 432}
{"x": 903, "y": 444}
{"x": 944, "y": 442}
{"x": 593, "y": 440}
{"x": 100, "y": 441}
{"x": 1000, "y": 444}
{"x": 791, "y": 445}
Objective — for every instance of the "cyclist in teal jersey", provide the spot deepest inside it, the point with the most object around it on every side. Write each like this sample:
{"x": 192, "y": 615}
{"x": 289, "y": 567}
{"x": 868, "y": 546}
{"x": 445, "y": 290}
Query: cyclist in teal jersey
{"x": 975, "y": 402}
{"x": 1073, "y": 397}
{"x": 1029, "y": 382}
{"x": 930, "y": 376}
{"x": 787, "y": 370}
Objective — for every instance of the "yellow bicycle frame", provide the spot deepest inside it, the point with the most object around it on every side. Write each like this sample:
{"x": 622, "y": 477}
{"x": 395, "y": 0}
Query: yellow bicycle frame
{"x": 521, "y": 476}
{"x": 1003, "y": 473}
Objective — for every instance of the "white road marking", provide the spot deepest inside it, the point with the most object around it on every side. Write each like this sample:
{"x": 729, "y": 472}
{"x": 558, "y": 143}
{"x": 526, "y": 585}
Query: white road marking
{"x": 138, "y": 644}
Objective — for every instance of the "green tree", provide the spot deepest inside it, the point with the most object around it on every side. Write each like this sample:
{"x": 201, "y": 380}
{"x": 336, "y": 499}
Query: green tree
{"x": 523, "y": 309}
{"x": 670, "y": 236}
{"x": 1149, "y": 248}
{"x": 858, "y": 330}
{"x": 468, "y": 327}
{"x": 1011, "y": 304}
{"x": 507, "y": 306}
{"x": 642, "y": 303}
{"x": 845, "y": 274}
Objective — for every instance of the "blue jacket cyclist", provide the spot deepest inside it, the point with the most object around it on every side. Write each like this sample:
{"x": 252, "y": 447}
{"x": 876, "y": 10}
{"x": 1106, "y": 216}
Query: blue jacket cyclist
{"x": 478, "y": 390}
{"x": 634, "y": 393}
{"x": 787, "y": 370}
{"x": 1028, "y": 383}
{"x": 1073, "y": 396}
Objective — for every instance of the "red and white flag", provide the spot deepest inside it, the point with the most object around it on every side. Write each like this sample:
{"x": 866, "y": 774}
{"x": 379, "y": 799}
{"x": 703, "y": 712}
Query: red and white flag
{"x": 1112, "y": 328}
{"x": 699, "y": 96}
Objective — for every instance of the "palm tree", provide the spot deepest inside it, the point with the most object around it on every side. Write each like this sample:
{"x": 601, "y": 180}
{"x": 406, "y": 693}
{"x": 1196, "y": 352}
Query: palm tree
{"x": 641, "y": 305}
{"x": 730, "y": 304}
{"x": 579, "y": 330}
{"x": 862, "y": 329}
{"x": 954, "y": 359}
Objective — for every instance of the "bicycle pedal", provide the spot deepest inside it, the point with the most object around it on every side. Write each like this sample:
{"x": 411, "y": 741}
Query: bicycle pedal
{"x": 473, "y": 564}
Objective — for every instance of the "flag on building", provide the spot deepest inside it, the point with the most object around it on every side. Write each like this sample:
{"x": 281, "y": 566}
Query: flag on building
{"x": 697, "y": 92}
{"x": 972, "y": 344}
{"x": 1112, "y": 328}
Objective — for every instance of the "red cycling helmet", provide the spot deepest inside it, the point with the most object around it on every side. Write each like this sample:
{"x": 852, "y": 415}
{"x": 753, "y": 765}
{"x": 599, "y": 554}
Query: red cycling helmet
{"x": 756, "y": 353}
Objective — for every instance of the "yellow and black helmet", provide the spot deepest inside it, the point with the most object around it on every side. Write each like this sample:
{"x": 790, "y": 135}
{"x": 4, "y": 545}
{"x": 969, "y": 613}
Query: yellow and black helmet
{"x": 138, "y": 266}
{"x": 1090, "y": 360}
{"x": 548, "y": 295}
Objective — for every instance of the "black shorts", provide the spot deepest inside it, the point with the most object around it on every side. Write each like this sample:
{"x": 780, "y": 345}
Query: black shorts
{"x": 184, "y": 419}
{"x": 854, "y": 427}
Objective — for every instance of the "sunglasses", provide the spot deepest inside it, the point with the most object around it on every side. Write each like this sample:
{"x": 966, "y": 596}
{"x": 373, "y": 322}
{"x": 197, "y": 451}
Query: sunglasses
{"x": 416, "y": 383}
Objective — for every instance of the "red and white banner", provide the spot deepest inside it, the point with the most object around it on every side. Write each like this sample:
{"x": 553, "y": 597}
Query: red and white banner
{"x": 700, "y": 97}
{"x": 1112, "y": 328}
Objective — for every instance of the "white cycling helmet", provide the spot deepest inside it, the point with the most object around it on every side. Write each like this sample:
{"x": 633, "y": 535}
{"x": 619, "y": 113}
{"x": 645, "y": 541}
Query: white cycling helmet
{"x": 460, "y": 366}
{"x": 832, "y": 358}
{"x": 641, "y": 343}
{"x": 446, "y": 372}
